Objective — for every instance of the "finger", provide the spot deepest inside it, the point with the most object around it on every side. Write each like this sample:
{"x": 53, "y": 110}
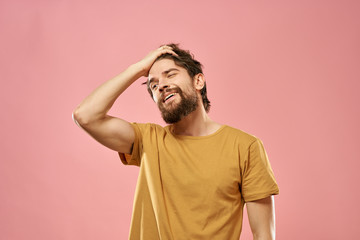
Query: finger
{"x": 174, "y": 53}
{"x": 168, "y": 51}
{"x": 165, "y": 47}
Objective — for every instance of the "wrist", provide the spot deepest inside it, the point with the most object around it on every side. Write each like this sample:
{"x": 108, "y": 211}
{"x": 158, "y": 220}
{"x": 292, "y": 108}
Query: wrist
{"x": 139, "y": 69}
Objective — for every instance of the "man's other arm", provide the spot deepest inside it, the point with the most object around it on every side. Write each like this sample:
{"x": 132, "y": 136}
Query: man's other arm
{"x": 261, "y": 215}
{"x": 91, "y": 114}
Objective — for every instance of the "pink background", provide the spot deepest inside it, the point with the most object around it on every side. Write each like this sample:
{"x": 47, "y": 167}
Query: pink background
{"x": 285, "y": 71}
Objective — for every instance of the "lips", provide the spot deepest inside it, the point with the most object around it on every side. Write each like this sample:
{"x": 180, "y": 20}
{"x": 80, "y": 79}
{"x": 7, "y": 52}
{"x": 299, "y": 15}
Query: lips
{"x": 167, "y": 96}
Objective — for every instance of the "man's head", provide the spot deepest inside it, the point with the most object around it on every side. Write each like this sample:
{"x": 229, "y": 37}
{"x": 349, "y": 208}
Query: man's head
{"x": 171, "y": 75}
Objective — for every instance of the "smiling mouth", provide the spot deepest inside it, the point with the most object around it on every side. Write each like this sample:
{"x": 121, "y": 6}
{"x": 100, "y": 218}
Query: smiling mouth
{"x": 169, "y": 96}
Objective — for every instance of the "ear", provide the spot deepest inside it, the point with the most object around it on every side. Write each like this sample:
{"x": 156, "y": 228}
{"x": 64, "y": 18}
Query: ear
{"x": 199, "y": 81}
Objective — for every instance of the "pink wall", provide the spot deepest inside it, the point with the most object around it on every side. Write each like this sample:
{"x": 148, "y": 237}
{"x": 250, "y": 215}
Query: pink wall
{"x": 285, "y": 71}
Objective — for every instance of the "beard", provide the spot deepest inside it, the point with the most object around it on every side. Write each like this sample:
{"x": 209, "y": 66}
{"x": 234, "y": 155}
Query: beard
{"x": 187, "y": 104}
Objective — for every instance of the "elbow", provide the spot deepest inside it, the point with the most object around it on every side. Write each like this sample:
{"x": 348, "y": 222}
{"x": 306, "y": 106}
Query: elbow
{"x": 264, "y": 236}
{"x": 79, "y": 118}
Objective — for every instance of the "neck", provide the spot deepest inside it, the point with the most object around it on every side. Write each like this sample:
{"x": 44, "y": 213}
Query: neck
{"x": 197, "y": 123}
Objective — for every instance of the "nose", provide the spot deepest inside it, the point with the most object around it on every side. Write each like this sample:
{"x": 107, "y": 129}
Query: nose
{"x": 163, "y": 87}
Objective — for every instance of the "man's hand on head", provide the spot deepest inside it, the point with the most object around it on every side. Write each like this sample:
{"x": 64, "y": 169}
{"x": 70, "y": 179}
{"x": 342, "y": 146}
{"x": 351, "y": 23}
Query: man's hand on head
{"x": 149, "y": 59}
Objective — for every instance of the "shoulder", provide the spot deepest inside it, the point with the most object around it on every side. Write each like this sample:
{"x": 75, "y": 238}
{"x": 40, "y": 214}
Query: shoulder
{"x": 243, "y": 139}
{"x": 240, "y": 134}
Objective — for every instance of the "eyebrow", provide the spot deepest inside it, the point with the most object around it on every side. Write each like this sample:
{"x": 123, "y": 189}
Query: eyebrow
{"x": 163, "y": 73}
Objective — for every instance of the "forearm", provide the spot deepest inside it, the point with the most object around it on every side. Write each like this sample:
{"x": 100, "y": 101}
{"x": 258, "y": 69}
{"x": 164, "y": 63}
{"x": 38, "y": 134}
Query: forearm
{"x": 264, "y": 237}
{"x": 98, "y": 103}
{"x": 266, "y": 232}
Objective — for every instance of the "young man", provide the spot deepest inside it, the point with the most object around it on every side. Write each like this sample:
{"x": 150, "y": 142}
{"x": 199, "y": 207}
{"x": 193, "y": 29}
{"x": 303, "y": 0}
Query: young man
{"x": 195, "y": 174}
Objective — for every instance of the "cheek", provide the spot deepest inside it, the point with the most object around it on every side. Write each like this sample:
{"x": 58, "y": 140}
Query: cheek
{"x": 155, "y": 98}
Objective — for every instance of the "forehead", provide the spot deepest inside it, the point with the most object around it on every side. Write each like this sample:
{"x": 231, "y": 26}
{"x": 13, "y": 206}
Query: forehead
{"x": 162, "y": 65}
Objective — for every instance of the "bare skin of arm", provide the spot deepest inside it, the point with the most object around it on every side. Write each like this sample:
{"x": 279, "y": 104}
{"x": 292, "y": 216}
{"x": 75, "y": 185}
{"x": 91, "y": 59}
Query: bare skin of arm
{"x": 261, "y": 215}
{"x": 91, "y": 114}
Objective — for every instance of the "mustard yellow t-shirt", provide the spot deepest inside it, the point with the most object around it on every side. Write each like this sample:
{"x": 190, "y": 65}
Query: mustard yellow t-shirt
{"x": 195, "y": 187}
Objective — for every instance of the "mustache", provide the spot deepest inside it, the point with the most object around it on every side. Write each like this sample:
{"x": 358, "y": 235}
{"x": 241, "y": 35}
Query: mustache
{"x": 173, "y": 90}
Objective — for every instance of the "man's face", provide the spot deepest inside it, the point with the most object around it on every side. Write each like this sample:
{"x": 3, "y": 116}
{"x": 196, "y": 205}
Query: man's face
{"x": 172, "y": 90}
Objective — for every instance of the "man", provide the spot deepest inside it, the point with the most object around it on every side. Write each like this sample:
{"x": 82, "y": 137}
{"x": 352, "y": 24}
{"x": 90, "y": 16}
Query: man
{"x": 195, "y": 174}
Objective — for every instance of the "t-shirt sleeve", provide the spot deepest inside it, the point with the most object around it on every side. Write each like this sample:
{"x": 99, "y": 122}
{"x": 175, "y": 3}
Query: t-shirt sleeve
{"x": 135, "y": 157}
{"x": 258, "y": 179}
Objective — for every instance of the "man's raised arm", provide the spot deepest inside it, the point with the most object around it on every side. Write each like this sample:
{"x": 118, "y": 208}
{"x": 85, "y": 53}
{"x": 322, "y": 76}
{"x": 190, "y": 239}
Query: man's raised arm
{"x": 91, "y": 115}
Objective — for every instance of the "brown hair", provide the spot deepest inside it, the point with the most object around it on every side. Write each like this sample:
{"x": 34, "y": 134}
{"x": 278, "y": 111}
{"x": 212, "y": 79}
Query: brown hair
{"x": 186, "y": 60}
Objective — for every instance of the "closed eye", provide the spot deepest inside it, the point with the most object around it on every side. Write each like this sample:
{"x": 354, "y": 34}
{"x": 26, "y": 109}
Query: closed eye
{"x": 171, "y": 75}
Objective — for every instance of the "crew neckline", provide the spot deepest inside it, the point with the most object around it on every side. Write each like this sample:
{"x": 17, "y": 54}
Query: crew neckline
{"x": 195, "y": 137}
